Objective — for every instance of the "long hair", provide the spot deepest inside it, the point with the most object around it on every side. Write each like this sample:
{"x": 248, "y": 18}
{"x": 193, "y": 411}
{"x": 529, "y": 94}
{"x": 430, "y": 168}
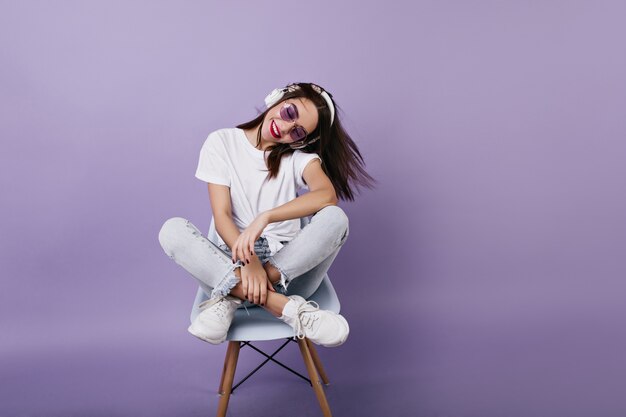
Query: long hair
{"x": 341, "y": 160}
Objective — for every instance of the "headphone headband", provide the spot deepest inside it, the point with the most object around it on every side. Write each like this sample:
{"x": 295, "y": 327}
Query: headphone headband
{"x": 276, "y": 94}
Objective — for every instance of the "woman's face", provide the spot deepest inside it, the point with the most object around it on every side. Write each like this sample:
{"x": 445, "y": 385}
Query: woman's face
{"x": 277, "y": 130}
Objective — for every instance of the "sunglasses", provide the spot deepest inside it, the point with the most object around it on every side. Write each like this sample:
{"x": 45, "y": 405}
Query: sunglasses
{"x": 289, "y": 113}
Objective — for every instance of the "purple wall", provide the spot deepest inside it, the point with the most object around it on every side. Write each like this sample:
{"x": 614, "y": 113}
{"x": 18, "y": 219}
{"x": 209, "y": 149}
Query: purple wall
{"x": 483, "y": 277}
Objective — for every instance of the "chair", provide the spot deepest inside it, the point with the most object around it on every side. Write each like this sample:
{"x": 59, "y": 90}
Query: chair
{"x": 260, "y": 325}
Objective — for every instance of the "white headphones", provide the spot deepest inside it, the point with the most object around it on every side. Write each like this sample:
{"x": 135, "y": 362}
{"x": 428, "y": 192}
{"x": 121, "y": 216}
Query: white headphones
{"x": 278, "y": 93}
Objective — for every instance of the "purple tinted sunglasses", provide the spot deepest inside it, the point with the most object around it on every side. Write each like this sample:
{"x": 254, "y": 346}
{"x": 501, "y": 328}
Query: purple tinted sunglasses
{"x": 289, "y": 113}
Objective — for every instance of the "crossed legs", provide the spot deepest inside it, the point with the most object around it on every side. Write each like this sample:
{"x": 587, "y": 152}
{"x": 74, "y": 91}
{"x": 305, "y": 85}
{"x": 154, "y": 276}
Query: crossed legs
{"x": 301, "y": 264}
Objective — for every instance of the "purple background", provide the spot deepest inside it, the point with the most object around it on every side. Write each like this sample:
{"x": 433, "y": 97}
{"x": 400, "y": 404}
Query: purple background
{"x": 483, "y": 277}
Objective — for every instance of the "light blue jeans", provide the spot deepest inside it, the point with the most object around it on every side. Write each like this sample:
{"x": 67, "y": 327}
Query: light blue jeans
{"x": 302, "y": 262}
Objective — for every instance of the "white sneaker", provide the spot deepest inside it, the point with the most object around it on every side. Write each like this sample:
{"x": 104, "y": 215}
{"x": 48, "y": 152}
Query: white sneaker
{"x": 322, "y": 327}
{"x": 212, "y": 324}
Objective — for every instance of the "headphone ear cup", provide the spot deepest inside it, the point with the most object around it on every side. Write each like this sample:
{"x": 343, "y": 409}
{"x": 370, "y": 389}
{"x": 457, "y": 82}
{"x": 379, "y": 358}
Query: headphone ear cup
{"x": 276, "y": 94}
{"x": 273, "y": 97}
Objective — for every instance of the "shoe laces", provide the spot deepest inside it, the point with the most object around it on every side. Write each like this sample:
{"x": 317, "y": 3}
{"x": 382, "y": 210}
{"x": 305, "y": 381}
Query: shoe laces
{"x": 306, "y": 321}
{"x": 221, "y": 306}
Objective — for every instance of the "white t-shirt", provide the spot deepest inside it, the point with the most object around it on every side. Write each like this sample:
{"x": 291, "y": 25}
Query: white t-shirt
{"x": 227, "y": 157}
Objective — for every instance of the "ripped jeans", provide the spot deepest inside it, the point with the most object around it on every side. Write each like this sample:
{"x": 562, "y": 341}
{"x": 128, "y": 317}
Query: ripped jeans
{"x": 302, "y": 262}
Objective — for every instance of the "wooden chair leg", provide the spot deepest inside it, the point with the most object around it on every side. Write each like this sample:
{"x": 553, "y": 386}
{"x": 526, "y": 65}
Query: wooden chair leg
{"x": 317, "y": 361}
{"x": 229, "y": 376}
{"x": 315, "y": 381}
{"x": 229, "y": 349}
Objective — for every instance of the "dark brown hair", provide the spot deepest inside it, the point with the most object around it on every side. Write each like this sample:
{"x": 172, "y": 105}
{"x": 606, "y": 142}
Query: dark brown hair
{"x": 341, "y": 160}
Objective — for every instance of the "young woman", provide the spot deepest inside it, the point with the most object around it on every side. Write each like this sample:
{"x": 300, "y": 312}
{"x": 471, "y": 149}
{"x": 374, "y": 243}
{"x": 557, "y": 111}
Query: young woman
{"x": 262, "y": 255}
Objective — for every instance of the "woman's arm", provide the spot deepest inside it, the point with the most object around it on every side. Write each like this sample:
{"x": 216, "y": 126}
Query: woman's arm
{"x": 222, "y": 213}
{"x": 254, "y": 280}
{"x": 321, "y": 194}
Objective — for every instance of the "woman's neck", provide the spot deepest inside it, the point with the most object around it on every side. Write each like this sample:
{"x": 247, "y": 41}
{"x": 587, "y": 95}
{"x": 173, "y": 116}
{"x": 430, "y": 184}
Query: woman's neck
{"x": 251, "y": 134}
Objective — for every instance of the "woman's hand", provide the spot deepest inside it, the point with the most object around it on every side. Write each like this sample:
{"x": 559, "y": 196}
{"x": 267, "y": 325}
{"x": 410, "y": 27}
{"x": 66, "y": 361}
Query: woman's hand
{"x": 243, "y": 248}
{"x": 254, "y": 282}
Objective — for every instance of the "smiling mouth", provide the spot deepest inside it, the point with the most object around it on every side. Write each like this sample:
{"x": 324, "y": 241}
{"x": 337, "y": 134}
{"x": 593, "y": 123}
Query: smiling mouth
{"x": 274, "y": 130}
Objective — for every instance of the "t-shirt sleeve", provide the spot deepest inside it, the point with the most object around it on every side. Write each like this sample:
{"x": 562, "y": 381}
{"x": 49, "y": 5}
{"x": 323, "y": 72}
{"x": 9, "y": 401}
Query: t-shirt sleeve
{"x": 301, "y": 161}
{"x": 212, "y": 165}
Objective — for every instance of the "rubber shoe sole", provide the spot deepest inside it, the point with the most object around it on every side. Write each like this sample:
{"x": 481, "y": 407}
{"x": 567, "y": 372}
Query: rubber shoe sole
{"x": 200, "y": 336}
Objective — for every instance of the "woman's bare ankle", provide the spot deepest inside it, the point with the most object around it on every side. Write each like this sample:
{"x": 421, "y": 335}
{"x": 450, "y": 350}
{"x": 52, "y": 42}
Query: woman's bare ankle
{"x": 275, "y": 302}
{"x": 272, "y": 273}
{"x": 237, "y": 291}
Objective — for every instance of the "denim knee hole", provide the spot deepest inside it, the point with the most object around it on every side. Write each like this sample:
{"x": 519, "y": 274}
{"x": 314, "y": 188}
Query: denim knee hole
{"x": 284, "y": 279}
